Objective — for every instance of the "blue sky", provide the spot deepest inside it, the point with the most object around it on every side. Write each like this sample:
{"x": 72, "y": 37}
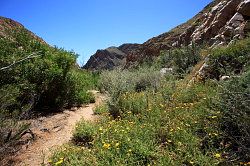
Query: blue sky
{"x": 87, "y": 25}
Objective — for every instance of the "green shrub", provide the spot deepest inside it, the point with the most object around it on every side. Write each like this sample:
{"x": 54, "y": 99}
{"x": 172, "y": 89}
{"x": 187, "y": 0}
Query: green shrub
{"x": 47, "y": 81}
{"x": 230, "y": 60}
{"x": 76, "y": 89}
{"x": 235, "y": 122}
{"x": 181, "y": 59}
{"x": 73, "y": 156}
{"x": 118, "y": 82}
{"x": 100, "y": 110}
{"x": 84, "y": 133}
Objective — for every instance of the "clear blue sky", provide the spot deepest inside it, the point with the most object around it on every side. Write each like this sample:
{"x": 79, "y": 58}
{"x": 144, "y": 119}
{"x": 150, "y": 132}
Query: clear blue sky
{"x": 87, "y": 25}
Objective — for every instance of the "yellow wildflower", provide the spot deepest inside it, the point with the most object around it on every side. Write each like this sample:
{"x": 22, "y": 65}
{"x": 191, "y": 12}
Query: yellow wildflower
{"x": 59, "y": 162}
{"x": 117, "y": 144}
{"x": 217, "y": 155}
{"x": 106, "y": 145}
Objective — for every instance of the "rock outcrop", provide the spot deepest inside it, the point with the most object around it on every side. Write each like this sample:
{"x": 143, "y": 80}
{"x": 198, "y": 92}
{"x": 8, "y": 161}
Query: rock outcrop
{"x": 218, "y": 23}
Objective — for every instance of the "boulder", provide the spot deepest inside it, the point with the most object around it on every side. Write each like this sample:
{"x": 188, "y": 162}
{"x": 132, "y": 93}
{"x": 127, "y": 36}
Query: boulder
{"x": 236, "y": 20}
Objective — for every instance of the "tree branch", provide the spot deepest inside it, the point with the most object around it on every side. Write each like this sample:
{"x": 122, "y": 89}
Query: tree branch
{"x": 31, "y": 56}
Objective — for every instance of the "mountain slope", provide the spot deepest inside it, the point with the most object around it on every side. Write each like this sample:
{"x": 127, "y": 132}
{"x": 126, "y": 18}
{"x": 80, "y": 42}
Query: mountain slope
{"x": 10, "y": 28}
{"x": 218, "y": 23}
{"x": 111, "y": 57}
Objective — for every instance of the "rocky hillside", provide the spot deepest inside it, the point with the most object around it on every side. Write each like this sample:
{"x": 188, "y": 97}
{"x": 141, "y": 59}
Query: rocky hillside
{"x": 218, "y": 23}
{"x": 111, "y": 57}
{"x": 10, "y": 28}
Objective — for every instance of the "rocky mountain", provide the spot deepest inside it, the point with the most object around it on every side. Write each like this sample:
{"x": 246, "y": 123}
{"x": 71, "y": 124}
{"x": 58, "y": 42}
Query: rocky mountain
{"x": 111, "y": 57}
{"x": 219, "y": 23}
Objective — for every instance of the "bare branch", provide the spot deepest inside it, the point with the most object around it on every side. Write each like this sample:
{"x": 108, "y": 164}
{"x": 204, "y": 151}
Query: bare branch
{"x": 31, "y": 56}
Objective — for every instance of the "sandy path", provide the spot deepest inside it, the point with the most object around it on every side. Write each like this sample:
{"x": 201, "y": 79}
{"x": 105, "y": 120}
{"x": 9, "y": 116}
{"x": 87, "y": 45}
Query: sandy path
{"x": 52, "y": 132}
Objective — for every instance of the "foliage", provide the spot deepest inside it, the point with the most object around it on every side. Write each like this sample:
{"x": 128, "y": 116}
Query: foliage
{"x": 118, "y": 82}
{"x": 153, "y": 131}
{"x": 174, "y": 124}
{"x": 101, "y": 109}
{"x": 84, "y": 133}
{"x": 180, "y": 59}
{"x": 49, "y": 81}
{"x": 235, "y": 105}
{"x": 84, "y": 157}
{"x": 229, "y": 60}
{"x": 36, "y": 78}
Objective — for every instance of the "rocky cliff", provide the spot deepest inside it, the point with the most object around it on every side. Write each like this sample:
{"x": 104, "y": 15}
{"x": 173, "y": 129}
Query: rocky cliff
{"x": 219, "y": 23}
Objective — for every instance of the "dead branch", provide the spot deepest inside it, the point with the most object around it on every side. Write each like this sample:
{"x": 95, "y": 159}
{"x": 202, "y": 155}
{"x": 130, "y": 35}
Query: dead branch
{"x": 31, "y": 56}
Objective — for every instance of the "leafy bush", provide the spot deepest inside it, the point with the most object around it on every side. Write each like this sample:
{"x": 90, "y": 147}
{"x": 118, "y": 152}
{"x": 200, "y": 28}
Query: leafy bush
{"x": 230, "y": 60}
{"x": 118, "y": 82}
{"x": 181, "y": 59}
{"x": 235, "y": 122}
{"x": 84, "y": 133}
{"x": 77, "y": 85}
{"x": 44, "y": 77}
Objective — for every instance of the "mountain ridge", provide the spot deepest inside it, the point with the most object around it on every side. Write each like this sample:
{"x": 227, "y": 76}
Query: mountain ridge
{"x": 219, "y": 23}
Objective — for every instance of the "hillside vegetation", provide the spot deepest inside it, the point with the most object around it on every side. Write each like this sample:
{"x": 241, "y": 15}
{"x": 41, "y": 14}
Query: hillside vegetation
{"x": 36, "y": 79}
{"x": 154, "y": 119}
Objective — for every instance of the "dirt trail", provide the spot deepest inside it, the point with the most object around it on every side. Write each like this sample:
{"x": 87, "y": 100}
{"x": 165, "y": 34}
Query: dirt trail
{"x": 52, "y": 132}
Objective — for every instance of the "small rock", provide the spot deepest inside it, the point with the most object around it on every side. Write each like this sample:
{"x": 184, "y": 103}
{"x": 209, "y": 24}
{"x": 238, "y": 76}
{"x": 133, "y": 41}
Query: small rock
{"x": 224, "y": 78}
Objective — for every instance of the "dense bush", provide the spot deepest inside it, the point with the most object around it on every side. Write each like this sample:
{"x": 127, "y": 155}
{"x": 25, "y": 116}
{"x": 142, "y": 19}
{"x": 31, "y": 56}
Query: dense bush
{"x": 127, "y": 89}
{"x": 118, "y": 82}
{"x": 180, "y": 59}
{"x": 41, "y": 77}
{"x": 230, "y": 60}
{"x": 235, "y": 122}
{"x": 84, "y": 133}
